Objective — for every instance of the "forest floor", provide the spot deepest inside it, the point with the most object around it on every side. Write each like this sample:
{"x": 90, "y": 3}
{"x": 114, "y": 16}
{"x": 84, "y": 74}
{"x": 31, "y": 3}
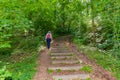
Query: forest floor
{"x": 58, "y": 64}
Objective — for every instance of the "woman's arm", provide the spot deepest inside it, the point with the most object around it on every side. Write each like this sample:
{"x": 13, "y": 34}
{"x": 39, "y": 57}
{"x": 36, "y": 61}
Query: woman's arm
{"x": 45, "y": 36}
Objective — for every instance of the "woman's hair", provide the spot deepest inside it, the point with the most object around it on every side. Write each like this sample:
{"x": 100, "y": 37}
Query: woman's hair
{"x": 49, "y": 31}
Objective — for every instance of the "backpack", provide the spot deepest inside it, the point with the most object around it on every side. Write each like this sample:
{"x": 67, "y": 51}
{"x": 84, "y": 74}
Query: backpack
{"x": 48, "y": 35}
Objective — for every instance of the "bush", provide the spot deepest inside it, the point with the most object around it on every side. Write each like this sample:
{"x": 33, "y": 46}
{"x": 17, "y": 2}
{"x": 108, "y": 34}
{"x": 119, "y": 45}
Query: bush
{"x": 5, "y": 74}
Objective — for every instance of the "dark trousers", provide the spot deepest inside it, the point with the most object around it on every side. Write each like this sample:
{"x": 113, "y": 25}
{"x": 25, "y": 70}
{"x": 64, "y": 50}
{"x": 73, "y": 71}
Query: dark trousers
{"x": 48, "y": 40}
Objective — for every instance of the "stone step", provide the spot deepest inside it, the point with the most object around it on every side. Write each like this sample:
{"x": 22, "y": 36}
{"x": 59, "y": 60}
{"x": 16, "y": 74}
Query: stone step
{"x": 60, "y": 51}
{"x": 71, "y": 77}
{"x": 63, "y": 46}
{"x": 63, "y": 57}
{"x": 76, "y": 68}
{"x": 55, "y": 50}
{"x": 66, "y": 65}
{"x": 59, "y": 48}
{"x": 61, "y": 54}
{"x": 66, "y": 62}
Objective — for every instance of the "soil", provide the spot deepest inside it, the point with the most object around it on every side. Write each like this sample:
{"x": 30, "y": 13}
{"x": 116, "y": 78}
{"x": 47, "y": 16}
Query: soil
{"x": 44, "y": 63}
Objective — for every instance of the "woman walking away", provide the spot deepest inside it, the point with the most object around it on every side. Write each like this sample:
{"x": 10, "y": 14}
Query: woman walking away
{"x": 48, "y": 39}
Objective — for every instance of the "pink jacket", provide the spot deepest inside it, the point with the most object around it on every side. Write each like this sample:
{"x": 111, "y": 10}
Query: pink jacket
{"x": 48, "y": 35}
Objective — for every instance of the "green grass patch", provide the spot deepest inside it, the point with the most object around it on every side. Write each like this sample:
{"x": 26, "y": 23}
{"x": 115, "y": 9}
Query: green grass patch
{"x": 86, "y": 69}
{"x": 88, "y": 79}
{"x": 54, "y": 59}
{"x": 58, "y": 70}
{"x": 49, "y": 71}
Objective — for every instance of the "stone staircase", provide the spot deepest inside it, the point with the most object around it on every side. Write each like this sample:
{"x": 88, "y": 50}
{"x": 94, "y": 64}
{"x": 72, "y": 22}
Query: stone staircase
{"x": 66, "y": 65}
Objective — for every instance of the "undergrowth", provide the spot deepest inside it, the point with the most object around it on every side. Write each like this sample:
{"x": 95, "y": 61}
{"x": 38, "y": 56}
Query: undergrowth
{"x": 103, "y": 58}
{"x": 21, "y": 64}
{"x": 24, "y": 70}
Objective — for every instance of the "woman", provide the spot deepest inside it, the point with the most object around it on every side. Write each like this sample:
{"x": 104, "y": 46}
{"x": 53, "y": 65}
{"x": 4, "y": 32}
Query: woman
{"x": 48, "y": 39}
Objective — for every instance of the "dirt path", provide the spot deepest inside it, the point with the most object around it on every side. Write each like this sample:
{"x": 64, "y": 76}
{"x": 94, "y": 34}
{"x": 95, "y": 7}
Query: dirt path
{"x": 43, "y": 63}
{"x": 64, "y": 62}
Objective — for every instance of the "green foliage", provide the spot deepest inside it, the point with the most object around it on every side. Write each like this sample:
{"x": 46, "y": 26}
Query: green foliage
{"x": 102, "y": 24}
{"x": 5, "y": 74}
{"x": 13, "y": 23}
{"x": 31, "y": 43}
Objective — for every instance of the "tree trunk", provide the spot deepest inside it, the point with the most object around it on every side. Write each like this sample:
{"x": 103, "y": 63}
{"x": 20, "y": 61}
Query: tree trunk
{"x": 93, "y": 22}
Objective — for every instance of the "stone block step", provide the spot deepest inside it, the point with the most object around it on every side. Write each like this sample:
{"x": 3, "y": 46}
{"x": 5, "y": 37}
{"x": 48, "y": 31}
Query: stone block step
{"x": 66, "y": 65}
{"x": 71, "y": 77}
{"x": 63, "y": 57}
{"x": 61, "y": 54}
{"x": 59, "y": 48}
{"x": 76, "y": 68}
{"x": 60, "y": 51}
{"x": 62, "y": 46}
{"x": 66, "y": 62}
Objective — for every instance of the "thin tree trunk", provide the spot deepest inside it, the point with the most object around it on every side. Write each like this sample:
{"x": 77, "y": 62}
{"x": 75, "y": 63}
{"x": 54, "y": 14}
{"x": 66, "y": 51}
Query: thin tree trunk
{"x": 93, "y": 21}
{"x": 69, "y": 25}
